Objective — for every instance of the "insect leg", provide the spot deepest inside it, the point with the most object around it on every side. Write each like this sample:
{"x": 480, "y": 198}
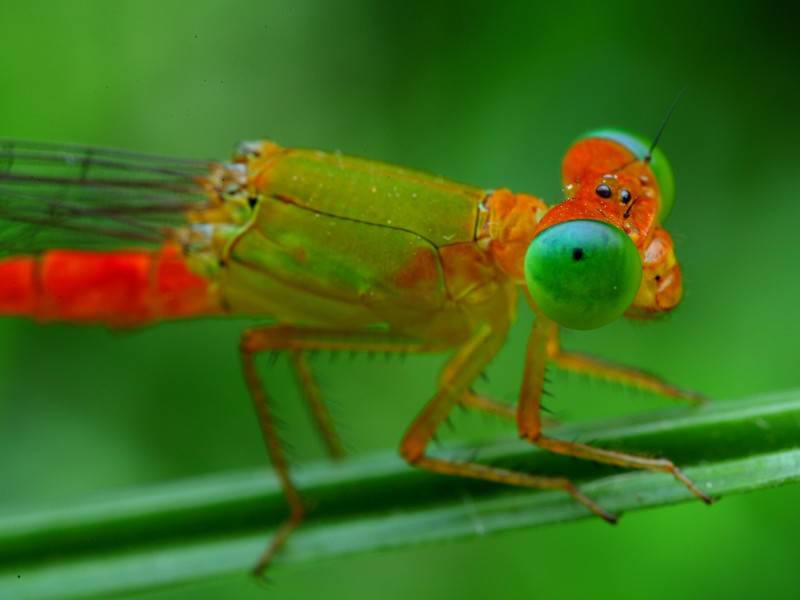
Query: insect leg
{"x": 319, "y": 410}
{"x": 479, "y": 402}
{"x": 529, "y": 419}
{"x": 297, "y": 340}
{"x": 459, "y": 373}
{"x": 624, "y": 375}
{"x": 249, "y": 347}
{"x": 507, "y": 412}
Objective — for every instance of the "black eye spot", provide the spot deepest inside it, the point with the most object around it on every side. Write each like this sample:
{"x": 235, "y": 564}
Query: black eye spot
{"x": 252, "y": 201}
{"x": 577, "y": 254}
{"x": 658, "y": 277}
{"x": 603, "y": 191}
{"x": 625, "y": 196}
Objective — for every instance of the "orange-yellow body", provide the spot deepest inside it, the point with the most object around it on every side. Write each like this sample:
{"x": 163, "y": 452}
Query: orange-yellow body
{"x": 307, "y": 237}
{"x": 345, "y": 253}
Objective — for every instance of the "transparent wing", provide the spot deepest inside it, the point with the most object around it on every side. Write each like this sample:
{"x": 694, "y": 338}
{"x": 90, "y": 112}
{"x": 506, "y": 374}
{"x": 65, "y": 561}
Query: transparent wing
{"x": 60, "y": 195}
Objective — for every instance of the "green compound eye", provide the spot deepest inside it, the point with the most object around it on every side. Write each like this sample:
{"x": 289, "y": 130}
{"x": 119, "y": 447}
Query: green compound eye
{"x": 659, "y": 164}
{"x": 583, "y": 274}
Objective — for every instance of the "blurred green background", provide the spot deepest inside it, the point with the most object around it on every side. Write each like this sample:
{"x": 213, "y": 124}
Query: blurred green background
{"x": 488, "y": 93}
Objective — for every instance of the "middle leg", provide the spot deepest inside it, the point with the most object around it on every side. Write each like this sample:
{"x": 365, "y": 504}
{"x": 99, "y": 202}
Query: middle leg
{"x": 459, "y": 373}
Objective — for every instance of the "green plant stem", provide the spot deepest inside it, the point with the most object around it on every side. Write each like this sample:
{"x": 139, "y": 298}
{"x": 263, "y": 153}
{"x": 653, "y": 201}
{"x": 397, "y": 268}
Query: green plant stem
{"x": 218, "y": 525}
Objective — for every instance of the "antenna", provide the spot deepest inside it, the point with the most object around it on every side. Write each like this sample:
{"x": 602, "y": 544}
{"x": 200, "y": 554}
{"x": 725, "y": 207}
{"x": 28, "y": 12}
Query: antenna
{"x": 663, "y": 126}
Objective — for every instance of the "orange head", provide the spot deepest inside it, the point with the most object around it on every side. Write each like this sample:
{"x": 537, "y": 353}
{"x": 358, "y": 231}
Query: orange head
{"x": 601, "y": 253}
{"x": 618, "y": 174}
{"x": 661, "y": 288}
{"x": 623, "y": 169}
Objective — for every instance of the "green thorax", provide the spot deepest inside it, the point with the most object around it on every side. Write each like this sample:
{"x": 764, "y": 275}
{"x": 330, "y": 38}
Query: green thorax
{"x": 434, "y": 208}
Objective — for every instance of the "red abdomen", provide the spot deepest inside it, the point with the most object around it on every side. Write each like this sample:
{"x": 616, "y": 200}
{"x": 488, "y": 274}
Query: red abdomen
{"x": 118, "y": 289}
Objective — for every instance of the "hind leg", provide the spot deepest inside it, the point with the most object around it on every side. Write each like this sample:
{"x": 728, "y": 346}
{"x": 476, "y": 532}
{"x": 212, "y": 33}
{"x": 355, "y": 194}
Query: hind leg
{"x": 298, "y": 340}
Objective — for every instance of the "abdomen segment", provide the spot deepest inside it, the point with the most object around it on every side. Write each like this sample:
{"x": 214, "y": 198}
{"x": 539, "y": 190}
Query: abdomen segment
{"x": 117, "y": 289}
